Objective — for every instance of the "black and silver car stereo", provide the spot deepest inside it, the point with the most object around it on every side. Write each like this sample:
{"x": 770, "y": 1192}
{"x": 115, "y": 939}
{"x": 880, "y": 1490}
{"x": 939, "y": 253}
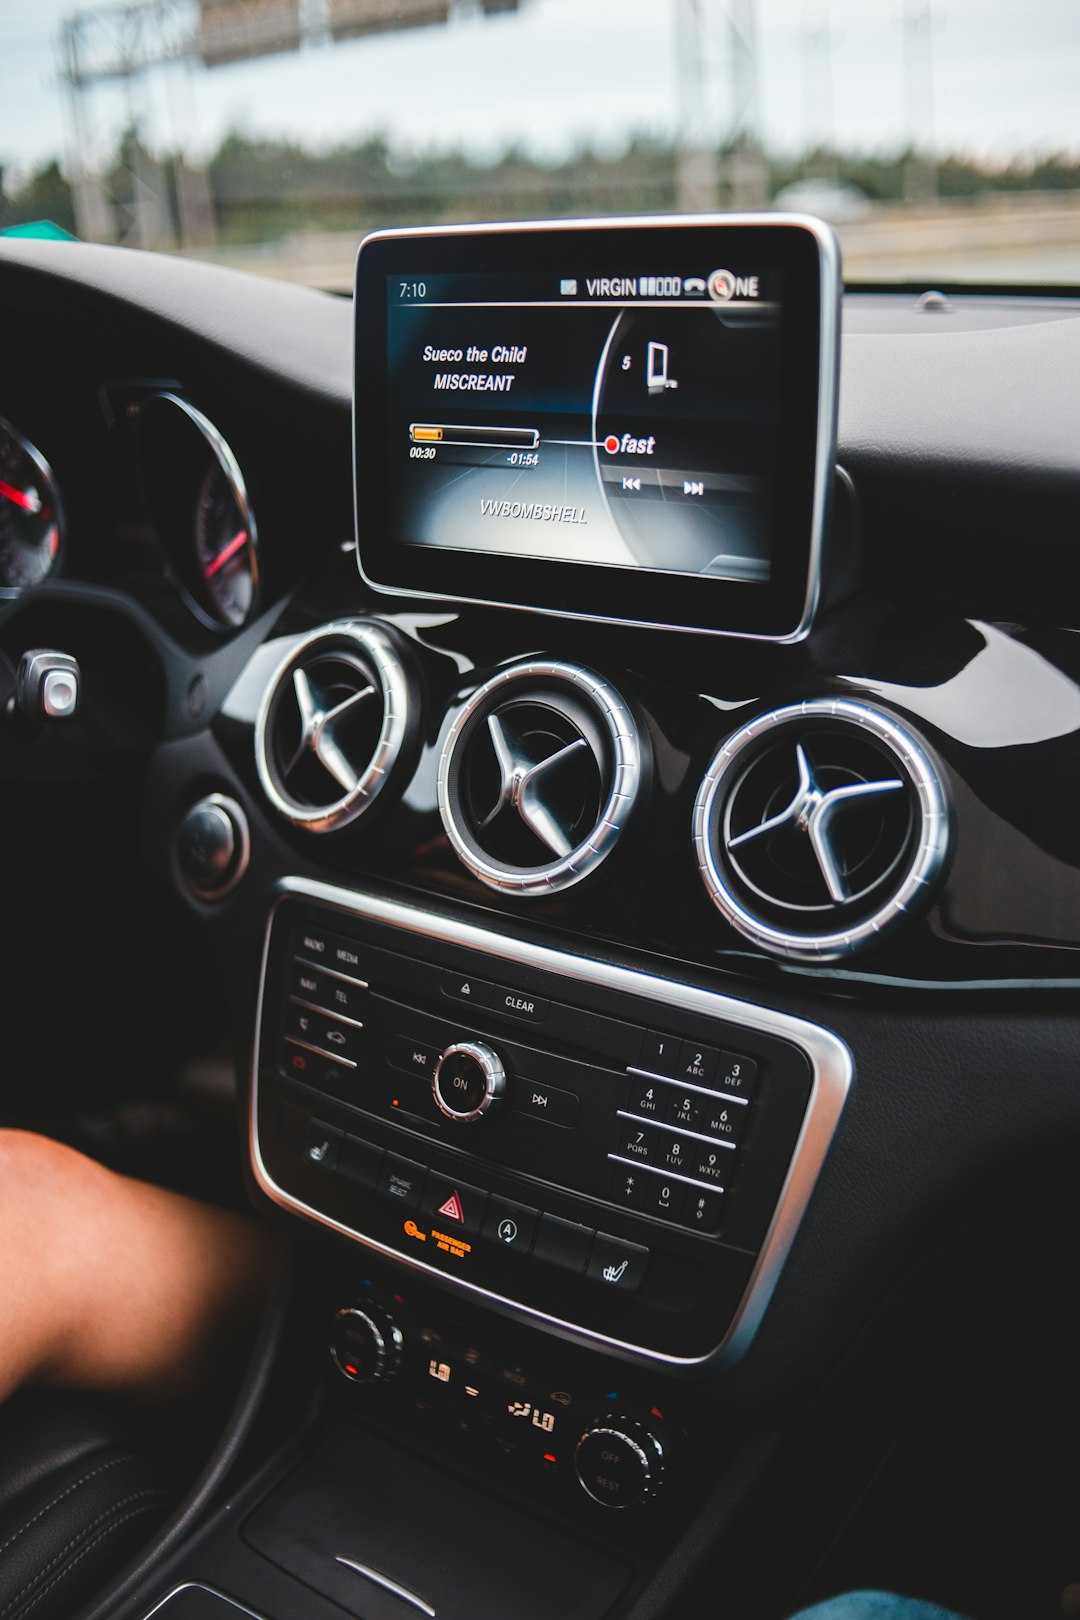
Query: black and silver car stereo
{"x": 618, "y": 1156}
{"x": 623, "y": 420}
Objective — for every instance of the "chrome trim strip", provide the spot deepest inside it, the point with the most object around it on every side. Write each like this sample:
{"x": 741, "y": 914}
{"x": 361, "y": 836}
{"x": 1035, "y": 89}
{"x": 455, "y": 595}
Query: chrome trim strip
{"x": 923, "y": 871}
{"x": 235, "y": 477}
{"x": 331, "y": 973}
{"x": 828, "y": 407}
{"x": 346, "y": 1063}
{"x": 330, "y": 1012}
{"x": 198, "y": 1586}
{"x": 687, "y": 1085}
{"x": 676, "y": 1130}
{"x": 394, "y": 690}
{"x": 668, "y": 1175}
{"x": 829, "y": 1059}
{"x": 627, "y": 777}
{"x": 387, "y": 1584}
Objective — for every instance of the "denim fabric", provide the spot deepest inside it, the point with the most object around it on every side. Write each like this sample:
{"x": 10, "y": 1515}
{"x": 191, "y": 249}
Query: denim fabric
{"x": 875, "y": 1606}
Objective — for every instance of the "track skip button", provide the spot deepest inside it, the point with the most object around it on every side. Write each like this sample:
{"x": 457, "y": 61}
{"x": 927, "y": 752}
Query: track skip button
{"x": 543, "y": 1102}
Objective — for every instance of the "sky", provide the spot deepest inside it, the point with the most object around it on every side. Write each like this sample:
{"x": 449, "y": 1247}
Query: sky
{"x": 1004, "y": 81}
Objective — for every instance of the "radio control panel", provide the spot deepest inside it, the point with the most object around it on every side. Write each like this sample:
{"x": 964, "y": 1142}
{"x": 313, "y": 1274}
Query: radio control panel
{"x": 618, "y": 1155}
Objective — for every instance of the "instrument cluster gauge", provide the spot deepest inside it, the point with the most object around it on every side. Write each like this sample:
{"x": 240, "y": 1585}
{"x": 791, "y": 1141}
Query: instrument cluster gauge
{"x": 225, "y": 556}
{"x": 201, "y": 511}
{"x": 31, "y": 514}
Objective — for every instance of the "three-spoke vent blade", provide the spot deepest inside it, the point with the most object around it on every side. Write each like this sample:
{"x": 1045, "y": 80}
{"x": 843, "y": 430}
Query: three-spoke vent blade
{"x": 819, "y": 827}
{"x": 332, "y": 724}
{"x": 538, "y": 777}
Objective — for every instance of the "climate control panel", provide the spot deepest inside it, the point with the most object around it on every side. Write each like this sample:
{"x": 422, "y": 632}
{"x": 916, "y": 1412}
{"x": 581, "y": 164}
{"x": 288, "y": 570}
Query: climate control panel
{"x": 539, "y": 1413}
{"x": 621, "y": 1155}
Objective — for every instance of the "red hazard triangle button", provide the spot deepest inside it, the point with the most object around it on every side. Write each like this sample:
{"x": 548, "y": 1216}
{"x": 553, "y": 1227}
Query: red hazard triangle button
{"x": 460, "y": 1206}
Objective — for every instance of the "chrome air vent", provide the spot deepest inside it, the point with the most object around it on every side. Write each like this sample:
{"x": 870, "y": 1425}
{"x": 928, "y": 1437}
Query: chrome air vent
{"x": 819, "y": 826}
{"x": 539, "y": 775}
{"x": 331, "y": 724}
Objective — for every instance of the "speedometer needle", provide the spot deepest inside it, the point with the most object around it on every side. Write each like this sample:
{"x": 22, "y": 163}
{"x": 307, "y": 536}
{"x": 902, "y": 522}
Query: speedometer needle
{"x": 222, "y": 557}
{"x": 29, "y": 499}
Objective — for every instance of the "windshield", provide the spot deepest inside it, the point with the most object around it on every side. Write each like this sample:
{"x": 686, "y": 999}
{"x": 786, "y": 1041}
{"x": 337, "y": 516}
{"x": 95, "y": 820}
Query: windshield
{"x": 941, "y": 138}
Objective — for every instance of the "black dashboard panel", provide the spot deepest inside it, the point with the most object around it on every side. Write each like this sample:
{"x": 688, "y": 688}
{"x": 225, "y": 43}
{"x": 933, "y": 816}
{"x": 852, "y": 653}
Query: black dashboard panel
{"x": 962, "y": 482}
{"x": 576, "y": 1314}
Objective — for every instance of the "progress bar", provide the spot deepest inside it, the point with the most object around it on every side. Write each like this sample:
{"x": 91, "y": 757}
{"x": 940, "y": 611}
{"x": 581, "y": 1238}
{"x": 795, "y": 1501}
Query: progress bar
{"x": 491, "y": 437}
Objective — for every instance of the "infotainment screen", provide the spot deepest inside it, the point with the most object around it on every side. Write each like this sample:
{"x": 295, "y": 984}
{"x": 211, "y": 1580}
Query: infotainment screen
{"x": 632, "y": 421}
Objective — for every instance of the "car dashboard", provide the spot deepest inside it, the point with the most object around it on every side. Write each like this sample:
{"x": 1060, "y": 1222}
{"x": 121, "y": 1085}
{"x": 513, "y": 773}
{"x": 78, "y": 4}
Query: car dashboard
{"x": 624, "y": 1194}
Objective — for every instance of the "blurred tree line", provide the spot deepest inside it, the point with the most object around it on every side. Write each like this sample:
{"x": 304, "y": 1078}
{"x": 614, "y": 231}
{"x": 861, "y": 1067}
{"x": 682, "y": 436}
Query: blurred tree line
{"x": 45, "y": 195}
{"x": 266, "y": 189}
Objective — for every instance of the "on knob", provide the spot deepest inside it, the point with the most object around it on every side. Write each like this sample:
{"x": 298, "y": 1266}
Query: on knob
{"x": 468, "y": 1079}
{"x": 620, "y": 1462}
{"x": 366, "y": 1343}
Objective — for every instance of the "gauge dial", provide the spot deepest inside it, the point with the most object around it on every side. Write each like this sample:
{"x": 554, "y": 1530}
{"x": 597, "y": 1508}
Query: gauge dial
{"x": 199, "y": 506}
{"x": 31, "y": 517}
{"x": 225, "y": 555}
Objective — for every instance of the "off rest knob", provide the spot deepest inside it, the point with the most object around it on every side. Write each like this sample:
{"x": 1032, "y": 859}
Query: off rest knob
{"x": 469, "y": 1079}
{"x": 620, "y": 1462}
{"x": 366, "y": 1343}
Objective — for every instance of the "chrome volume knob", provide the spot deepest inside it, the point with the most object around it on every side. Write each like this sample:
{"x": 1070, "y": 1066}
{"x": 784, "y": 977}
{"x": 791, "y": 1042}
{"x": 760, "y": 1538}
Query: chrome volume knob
{"x": 469, "y": 1078}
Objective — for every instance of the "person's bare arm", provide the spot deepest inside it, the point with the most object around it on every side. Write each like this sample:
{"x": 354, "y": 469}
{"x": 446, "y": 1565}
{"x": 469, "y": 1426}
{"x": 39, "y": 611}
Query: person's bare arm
{"x": 109, "y": 1283}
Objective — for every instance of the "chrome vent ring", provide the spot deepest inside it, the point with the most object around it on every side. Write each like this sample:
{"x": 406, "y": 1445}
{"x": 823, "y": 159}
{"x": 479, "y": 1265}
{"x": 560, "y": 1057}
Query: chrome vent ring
{"x": 539, "y": 776}
{"x": 819, "y": 826}
{"x": 331, "y": 725}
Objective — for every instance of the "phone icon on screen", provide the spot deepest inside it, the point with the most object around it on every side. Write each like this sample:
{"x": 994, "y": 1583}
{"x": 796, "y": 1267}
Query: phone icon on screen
{"x": 656, "y": 371}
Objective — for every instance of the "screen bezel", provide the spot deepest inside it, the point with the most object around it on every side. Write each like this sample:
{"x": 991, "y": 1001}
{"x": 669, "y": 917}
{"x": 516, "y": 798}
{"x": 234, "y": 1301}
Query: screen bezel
{"x": 779, "y": 610}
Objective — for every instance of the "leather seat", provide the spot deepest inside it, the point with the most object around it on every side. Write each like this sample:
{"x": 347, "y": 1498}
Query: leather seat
{"x": 77, "y": 1499}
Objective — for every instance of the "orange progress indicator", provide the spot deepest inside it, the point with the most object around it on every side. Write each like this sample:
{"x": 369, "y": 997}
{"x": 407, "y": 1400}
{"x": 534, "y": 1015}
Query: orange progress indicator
{"x": 494, "y": 438}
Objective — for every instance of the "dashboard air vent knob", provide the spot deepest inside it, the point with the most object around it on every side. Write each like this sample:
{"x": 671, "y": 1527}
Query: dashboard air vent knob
{"x": 539, "y": 775}
{"x": 331, "y": 726}
{"x": 818, "y": 827}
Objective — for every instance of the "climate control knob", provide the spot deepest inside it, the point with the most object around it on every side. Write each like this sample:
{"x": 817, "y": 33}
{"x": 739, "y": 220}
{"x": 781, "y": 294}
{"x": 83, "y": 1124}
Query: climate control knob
{"x": 620, "y": 1462}
{"x": 366, "y": 1343}
{"x": 469, "y": 1079}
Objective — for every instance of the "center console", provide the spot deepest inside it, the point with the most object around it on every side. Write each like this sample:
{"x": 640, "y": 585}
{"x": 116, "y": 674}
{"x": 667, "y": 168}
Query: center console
{"x": 559, "y": 1171}
{"x": 620, "y": 1157}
